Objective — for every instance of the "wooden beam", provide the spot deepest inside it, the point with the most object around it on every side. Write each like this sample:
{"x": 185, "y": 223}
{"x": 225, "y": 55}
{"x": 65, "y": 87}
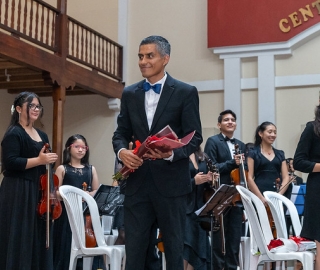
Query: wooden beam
{"x": 63, "y": 72}
{"x": 22, "y": 85}
{"x": 20, "y": 78}
{"x": 8, "y": 64}
{"x": 19, "y": 71}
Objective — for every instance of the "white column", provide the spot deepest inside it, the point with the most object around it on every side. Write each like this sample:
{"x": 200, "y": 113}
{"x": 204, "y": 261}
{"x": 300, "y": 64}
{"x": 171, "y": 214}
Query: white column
{"x": 232, "y": 89}
{"x": 266, "y": 89}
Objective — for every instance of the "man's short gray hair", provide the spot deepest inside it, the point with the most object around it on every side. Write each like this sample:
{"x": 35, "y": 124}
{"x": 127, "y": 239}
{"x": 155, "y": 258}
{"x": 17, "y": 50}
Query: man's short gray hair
{"x": 162, "y": 44}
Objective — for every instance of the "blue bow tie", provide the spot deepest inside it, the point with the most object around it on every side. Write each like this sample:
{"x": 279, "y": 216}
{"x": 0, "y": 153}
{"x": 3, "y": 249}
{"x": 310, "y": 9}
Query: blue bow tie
{"x": 156, "y": 88}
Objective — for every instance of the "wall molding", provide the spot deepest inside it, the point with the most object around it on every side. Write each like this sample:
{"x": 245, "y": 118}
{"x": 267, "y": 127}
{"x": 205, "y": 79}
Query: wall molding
{"x": 252, "y": 83}
{"x": 279, "y": 48}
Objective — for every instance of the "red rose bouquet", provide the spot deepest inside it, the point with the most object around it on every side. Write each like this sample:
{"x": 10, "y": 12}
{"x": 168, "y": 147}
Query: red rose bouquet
{"x": 165, "y": 140}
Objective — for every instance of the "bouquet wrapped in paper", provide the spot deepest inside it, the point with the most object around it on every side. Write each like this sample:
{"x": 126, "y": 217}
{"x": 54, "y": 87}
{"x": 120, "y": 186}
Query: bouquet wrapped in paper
{"x": 165, "y": 140}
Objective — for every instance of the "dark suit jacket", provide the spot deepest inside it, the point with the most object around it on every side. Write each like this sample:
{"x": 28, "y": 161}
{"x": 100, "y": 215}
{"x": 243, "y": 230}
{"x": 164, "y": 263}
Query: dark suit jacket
{"x": 178, "y": 107}
{"x": 217, "y": 149}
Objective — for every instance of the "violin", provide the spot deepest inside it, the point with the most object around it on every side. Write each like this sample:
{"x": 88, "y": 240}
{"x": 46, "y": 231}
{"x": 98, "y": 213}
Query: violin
{"x": 88, "y": 229}
{"x": 238, "y": 176}
{"x": 49, "y": 207}
{"x": 207, "y": 194}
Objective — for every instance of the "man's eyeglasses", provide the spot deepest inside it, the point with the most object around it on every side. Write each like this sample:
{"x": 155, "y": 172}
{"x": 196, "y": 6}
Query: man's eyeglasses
{"x": 34, "y": 107}
{"x": 78, "y": 147}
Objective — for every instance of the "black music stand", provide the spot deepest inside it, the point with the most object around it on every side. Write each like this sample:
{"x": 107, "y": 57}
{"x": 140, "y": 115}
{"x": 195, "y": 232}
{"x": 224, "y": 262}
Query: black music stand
{"x": 216, "y": 206}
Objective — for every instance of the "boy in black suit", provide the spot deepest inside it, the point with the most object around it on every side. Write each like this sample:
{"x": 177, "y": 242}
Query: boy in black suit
{"x": 220, "y": 148}
{"x": 157, "y": 189}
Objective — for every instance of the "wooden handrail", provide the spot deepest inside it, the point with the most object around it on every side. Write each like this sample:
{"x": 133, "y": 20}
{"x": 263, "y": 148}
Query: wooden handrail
{"x": 92, "y": 49}
{"x": 36, "y": 22}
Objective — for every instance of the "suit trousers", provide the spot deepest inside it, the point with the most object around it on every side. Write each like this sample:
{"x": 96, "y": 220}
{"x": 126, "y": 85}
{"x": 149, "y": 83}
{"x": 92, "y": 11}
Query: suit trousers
{"x": 232, "y": 231}
{"x": 141, "y": 211}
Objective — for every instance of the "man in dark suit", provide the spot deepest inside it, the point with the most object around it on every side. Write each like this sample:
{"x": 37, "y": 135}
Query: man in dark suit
{"x": 220, "y": 148}
{"x": 157, "y": 189}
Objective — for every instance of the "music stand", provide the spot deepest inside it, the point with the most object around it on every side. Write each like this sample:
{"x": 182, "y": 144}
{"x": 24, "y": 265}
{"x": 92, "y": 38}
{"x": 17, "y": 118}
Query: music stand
{"x": 216, "y": 205}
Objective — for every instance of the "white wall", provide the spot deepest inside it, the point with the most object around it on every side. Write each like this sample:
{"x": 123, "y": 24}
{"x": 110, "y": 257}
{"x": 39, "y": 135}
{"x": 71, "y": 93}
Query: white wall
{"x": 183, "y": 23}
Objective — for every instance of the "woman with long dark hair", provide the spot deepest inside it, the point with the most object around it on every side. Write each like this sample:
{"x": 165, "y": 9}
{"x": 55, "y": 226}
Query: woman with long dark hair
{"x": 307, "y": 160}
{"x": 22, "y": 231}
{"x": 266, "y": 164}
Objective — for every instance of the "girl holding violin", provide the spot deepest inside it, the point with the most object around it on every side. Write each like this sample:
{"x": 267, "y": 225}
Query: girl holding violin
{"x": 196, "y": 251}
{"x": 75, "y": 171}
{"x": 266, "y": 164}
{"x": 22, "y": 230}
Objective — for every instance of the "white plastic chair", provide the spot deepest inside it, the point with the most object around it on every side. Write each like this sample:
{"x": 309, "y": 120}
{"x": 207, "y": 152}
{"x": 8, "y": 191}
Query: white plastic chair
{"x": 276, "y": 202}
{"x": 113, "y": 255}
{"x": 261, "y": 231}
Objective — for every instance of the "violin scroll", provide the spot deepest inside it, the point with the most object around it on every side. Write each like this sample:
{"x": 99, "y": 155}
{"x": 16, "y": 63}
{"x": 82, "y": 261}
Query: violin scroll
{"x": 211, "y": 167}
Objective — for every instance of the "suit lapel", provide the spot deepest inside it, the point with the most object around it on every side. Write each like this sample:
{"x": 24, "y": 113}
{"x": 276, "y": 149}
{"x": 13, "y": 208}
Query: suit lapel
{"x": 167, "y": 91}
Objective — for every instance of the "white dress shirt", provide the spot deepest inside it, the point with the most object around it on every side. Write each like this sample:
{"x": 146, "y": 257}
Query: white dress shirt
{"x": 152, "y": 99}
{"x": 230, "y": 145}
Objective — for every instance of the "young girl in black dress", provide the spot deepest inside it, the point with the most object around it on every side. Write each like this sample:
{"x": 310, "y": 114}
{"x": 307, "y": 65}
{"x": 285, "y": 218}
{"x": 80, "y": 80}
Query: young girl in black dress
{"x": 74, "y": 171}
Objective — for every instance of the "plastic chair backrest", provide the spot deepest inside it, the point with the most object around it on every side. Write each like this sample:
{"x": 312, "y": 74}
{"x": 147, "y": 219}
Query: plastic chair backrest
{"x": 276, "y": 201}
{"x": 73, "y": 198}
{"x": 258, "y": 219}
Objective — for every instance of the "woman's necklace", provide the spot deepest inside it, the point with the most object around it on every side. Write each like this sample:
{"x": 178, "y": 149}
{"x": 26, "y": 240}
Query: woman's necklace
{"x": 269, "y": 152}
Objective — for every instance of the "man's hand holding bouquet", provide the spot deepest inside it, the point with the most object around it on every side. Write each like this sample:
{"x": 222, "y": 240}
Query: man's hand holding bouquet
{"x": 158, "y": 146}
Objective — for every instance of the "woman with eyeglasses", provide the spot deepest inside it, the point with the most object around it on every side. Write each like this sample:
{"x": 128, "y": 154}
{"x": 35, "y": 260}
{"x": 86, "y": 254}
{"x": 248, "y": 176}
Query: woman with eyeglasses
{"x": 74, "y": 171}
{"x": 24, "y": 160}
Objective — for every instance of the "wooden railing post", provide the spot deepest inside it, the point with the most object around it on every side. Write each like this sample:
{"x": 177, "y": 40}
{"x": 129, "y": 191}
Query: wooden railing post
{"x": 62, "y": 30}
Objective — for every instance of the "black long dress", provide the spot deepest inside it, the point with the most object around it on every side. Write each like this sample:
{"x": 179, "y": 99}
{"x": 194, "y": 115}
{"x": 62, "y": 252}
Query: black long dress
{"x": 22, "y": 231}
{"x": 306, "y": 156}
{"x": 196, "y": 242}
{"x": 266, "y": 171}
{"x": 62, "y": 231}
